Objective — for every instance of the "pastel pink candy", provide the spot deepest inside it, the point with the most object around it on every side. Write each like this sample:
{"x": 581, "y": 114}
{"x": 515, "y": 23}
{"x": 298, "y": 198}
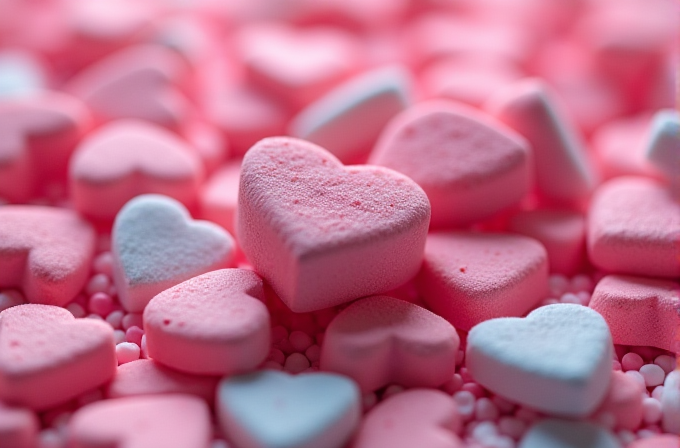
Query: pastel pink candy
{"x": 127, "y": 158}
{"x": 563, "y": 171}
{"x": 348, "y": 120}
{"x": 417, "y": 417}
{"x": 323, "y": 234}
{"x": 175, "y": 421}
{"x": 47, "y": 357}
{"x": 640, "y": 311}
{"x": 562, "y": 233}
{"x": 148, "y": 377}
{"x": 468, "y": 278}
{"x": 135, "y": 82}
{"x": 219, "y": 196}
{"x": 659, "y": 441}
{"x": 380, "y": 340}
{"x": 39, "y": 134}
{"x": 437, "y": 144}
{"x": 623, "y": 402}
{"x": 634, "y": 228}
{"x": 298, "y": 66}
{"x": 18, "y": 428}
{"x": 156, "y": 245}
{"x": 45, "y": 251}
{"x": 213, "y": 324}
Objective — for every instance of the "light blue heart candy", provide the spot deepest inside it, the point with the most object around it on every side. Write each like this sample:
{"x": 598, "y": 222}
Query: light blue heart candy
{"x": 271, "y": 409}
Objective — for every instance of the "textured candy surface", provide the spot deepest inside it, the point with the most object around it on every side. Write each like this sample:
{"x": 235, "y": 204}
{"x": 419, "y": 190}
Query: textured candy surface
{"x": 568, "y": 434}
{"x": 322, "y": 234}
{"x": 47, "y": 357}
{"x": 556, "y": 360}
{"x": 469, "y": 165}
{"x": 471, "y": 277}
{"x": 213, "y": 324}
{"x": 270, "y": 409}
{"x": 157, "y": 245}
{"x": 45, "y": 251}
{"x": 380, "y": 340}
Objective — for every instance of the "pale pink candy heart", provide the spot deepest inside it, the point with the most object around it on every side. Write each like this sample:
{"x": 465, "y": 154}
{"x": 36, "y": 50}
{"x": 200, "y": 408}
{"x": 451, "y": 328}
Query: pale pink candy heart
{"x": 634, "y": 228}
{"x": 127, "y": 158}
{"x": 45, "y": 251}
{"x": 297, "y": 65}
{"x": 219, "y": 196}
{"x": 323, "y": 234}
{"x": 19, "y": 427}
{"x": 173, "y": 421}
{"x": 380, "y": 340}
{"x": 213, "y": 324}
{"x": 417, "y": 417}
{"x": 136, "y": 82}
{"x": 156, "y": 245}
{"x": 47, "y": 357}
{"x": 639, "y": 310}
{"x": 39, "y": 134}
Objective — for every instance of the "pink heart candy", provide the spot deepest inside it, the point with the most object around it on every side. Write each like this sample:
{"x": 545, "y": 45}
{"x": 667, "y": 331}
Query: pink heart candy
{"x": 45, "y": 251}
{"x": 39, "y": 134}
{"x": 175, "y": 421}
{"x": 47, "y": 357}
{"x": 213, "y": 324}
{"x": 417, "y": 417}
{"x": 128, "y": 158}
{"x": 380, "y": 340}
{"x": 323, "y": 234}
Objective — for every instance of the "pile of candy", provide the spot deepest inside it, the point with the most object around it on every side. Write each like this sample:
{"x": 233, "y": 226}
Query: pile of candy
{"x": 339, "y": 224}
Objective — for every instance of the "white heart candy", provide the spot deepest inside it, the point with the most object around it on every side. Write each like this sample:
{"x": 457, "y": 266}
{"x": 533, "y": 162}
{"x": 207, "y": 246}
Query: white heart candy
{"x": 555, "y": 433}
{"x": 556, "y": 360}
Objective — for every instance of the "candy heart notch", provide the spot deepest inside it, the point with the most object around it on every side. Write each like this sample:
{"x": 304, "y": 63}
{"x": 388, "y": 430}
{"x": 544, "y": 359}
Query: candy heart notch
{"x": 171, "y": 421}
{"x": 128, "y": 158}
{"x": 556, "y": 360}
{"x": 156, "y": 245}
{"x": 45, "y": 251}
{"x": 323, "y": 234}
{"x": 213, "y": 324}
{"x": 380, "y": 340}
{"x": 270, "y": 409}
{"x": 47, "y": 357}
{"x": 416, "y": 417}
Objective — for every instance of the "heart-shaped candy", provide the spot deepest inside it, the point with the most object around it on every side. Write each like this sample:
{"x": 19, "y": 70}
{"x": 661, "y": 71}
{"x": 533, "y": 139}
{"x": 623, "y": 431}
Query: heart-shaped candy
{"x": 48, "y": 357}
{"x": 468, "y": 278}
{"x": 470, "y": 165}
{"x": 380, "y": 340}
{"x": 639, "y": 311}
{"x": 128, "y": 158}
{"x": 46, "y": 251}
{"x": 136, "y": 82}
{"x": 634, "y": 228}
{"x": 555, "y": 433}
{"x": 270, "y": 409}
{"x": 417, "y": 417}
{"x": 323, "y": 234}
{"x": 19, "y": 427}
{"x": 174, "y": 421}
{"x": 557, "y": 360}
{"x": 213, "y": 324}
{"x": 39, "y": 133}
{"x": 157, "y": 245}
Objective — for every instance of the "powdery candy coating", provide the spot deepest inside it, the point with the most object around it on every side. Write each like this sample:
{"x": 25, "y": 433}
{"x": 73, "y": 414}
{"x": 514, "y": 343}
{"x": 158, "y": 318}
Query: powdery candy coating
{"x": 468, "y": 278}
{"x": 639, "y": 311}
{"x": 469, "y": 165}
{"x": 213, "y": 324}
{"x": 568, "y": 434}
{"x": 45, "y": 251}
{"x": 323, "y": 234}
{"x": 380, "y": 340}
{"x": 47, "y": 357}
{"x": 634, "y": 228}
{"x": 157, "y": 245}
{"x": 556, "y": 360}
{"x": 269, "y": 409}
